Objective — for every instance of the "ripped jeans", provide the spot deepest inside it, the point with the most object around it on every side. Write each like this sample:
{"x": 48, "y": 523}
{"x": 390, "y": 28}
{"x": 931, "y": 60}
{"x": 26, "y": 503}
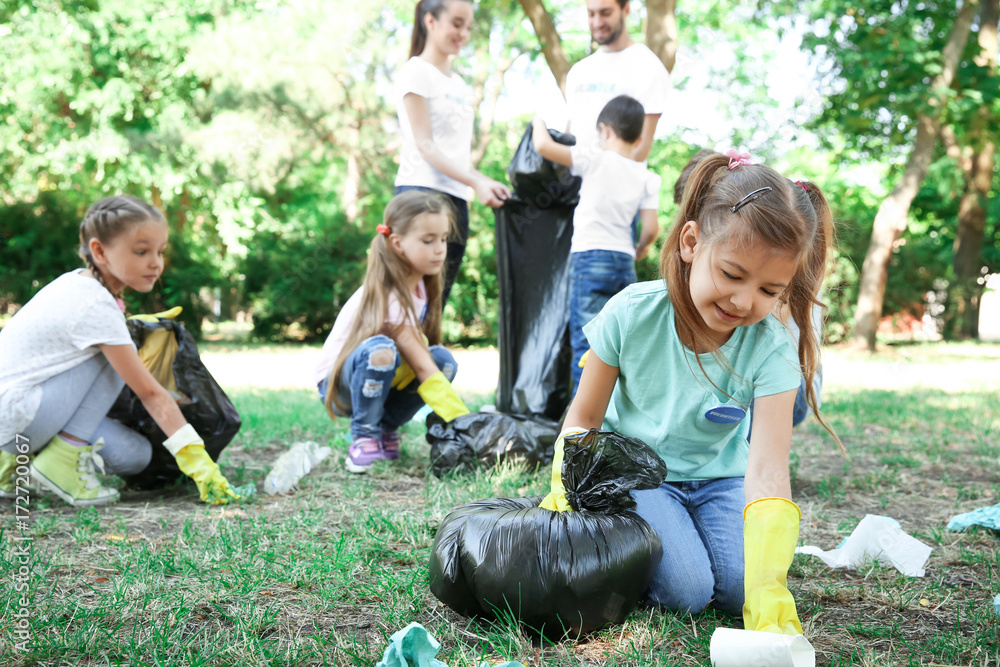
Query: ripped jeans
{"x": 365, "y": 387}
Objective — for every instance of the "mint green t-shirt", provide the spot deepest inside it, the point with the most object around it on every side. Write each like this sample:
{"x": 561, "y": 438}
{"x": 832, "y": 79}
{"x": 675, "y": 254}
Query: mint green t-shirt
{"x": 661, "y": 396}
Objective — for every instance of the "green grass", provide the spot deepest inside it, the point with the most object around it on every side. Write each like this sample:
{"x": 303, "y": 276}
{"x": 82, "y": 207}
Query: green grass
{"x": 324, "y": 576}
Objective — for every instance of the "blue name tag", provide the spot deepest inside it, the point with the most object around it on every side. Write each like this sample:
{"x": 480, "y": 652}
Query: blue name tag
{"x": 725, "y": 414}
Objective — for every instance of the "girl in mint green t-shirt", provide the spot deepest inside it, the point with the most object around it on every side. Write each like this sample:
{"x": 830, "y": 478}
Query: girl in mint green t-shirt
{"x": 676, "y": 363}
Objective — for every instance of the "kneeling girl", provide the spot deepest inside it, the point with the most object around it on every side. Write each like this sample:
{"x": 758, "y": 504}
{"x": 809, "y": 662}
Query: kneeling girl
{"x": 383, "y": 359}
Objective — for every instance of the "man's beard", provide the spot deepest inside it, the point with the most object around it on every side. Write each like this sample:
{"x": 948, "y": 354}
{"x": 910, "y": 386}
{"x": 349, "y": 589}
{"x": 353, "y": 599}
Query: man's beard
{"x": 613, "y": 35}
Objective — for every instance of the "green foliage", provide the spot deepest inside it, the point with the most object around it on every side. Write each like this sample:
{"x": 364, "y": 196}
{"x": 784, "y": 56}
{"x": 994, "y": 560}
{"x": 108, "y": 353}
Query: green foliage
{"x": 303, "y": 277}
{"x": 38, "y": 243}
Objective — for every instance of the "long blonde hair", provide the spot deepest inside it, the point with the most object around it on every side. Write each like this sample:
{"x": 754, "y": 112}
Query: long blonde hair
{"x": 792, "y": 218}
{"x": 387, "y": 274}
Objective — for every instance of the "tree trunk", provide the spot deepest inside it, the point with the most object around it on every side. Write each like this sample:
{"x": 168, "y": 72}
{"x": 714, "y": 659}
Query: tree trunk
{"x": 661, "y": 30}
{"x": 549, "y": 38}
{"x": 978, "y": 175}
{"x": 968, "y": 248}
{"x": 890, "y": 221}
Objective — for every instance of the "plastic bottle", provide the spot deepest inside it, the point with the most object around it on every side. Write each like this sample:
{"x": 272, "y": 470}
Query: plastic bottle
{"x": 291, "y": 466}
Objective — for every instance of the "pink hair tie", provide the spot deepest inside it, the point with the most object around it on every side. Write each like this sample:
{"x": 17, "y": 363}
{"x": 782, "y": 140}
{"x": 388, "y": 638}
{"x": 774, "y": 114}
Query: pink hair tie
{"x": 737, "y": 159}
{"x": 383, "y": 230}
{"x": 802, "y": 185}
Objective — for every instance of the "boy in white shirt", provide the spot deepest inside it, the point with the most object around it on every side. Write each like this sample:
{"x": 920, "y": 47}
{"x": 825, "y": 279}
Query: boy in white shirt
{"x": 615, "y": 186}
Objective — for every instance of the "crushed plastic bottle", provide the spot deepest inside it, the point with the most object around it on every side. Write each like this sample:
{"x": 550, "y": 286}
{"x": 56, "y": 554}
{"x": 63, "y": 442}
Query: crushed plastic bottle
{"x": 291, "y": 466}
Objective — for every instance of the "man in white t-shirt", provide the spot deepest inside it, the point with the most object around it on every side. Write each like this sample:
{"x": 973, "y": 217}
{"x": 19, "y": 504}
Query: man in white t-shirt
{"x": 620, "y": 66}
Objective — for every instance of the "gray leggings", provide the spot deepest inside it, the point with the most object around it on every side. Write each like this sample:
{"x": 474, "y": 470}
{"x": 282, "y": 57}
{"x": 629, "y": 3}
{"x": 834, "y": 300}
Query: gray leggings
{"x": 77, "y": 402}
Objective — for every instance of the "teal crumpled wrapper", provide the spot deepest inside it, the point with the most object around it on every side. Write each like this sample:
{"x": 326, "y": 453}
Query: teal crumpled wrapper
{"x": 984, "y": 516}
{"x": 996, "y": 605}
{"x": 413, "y": 646}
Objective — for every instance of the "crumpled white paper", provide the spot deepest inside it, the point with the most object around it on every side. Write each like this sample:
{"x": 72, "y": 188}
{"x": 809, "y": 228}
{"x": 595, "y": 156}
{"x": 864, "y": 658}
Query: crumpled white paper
{"x": 876, "y": 538}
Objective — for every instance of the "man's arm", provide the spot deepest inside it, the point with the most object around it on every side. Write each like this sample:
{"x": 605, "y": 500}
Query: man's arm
{"x": 641, "y": 152}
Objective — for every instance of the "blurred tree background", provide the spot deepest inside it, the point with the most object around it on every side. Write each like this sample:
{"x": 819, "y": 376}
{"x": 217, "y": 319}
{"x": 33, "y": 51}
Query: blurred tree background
{"x": 266, "y": 132}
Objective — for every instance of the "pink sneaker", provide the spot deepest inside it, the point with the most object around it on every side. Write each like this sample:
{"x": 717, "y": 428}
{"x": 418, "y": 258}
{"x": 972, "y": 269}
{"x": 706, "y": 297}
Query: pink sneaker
{"x": 362, "y": 453}
{"x": 390, "y": 443}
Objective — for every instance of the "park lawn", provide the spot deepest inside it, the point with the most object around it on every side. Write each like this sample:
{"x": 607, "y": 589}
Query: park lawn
{"x": 327, "y": 574}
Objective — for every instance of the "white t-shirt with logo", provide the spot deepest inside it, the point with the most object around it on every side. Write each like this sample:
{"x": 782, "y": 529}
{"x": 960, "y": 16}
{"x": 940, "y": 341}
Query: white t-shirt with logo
{"x": 449, "y": 105}
{"x": 58, "y": 329}
{"x": 395, "y": 315}
{"x": 614, "y": 189}
{"x": 597, "y": 79}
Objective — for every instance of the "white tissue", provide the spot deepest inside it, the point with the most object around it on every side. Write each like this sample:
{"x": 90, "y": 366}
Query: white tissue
{"x": 876, "y": 538}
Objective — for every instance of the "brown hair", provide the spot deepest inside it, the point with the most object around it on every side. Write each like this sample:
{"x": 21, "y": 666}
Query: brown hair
{"x": 387, "y": 273}
{"x": 419, "y": 38}
{"x": 106, "y": 219}
{"x": 793, "y": 218}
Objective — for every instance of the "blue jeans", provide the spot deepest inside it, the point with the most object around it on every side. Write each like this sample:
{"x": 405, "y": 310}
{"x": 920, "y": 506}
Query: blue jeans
{"x": 366, "y": 388}
{"x": 595, "y": 277}
{"x": 701, "y": 526}
{"x": 456, "y": 247}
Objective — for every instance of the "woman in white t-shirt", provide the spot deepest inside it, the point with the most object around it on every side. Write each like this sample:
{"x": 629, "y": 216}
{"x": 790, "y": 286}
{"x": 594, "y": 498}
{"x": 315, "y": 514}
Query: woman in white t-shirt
{"x": 65, "y": 356}
{"x": 436, "y": 117}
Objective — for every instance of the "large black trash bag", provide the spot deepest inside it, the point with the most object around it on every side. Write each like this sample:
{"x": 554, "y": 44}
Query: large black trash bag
{"x": 206, "y": 407}
{"x": 483, "y": 439}
{"x": 559, "y": 573}
{"x": 534, "y": 229}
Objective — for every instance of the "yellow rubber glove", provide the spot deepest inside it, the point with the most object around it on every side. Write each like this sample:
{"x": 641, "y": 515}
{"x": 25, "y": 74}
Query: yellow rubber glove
{"x": 438, "y": 393}
{"x": 556, "y": 500}
{"x": 166, "y": 314}
{"x": 403, "y": 377}
{"x": 770, "y": 533}
{"x": 189, "y": 451}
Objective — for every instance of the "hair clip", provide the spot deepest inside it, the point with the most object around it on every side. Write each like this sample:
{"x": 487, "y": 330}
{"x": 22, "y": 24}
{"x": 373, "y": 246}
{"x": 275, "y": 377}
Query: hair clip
{"x": 756, "y": 194}
{"x": 737, "y": 159}
{"x": 383, "y": 230}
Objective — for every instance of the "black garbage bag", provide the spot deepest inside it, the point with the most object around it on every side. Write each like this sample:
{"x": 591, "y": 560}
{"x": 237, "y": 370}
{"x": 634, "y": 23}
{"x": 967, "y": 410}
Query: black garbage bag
{"x": 533, "y": 325}
{"x": 601, "y": 467}
{"x": 559, "y": 573}
{"x": 542, "y": 182}
{"x": 534, "y": 229}
{"x": 483, "y": 439}
{"x": 201, "y": 400}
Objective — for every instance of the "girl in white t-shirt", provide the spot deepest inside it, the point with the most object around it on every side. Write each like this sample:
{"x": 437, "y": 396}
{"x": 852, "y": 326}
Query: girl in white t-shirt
{"x": 383, "y": 359}
{"x": 436, "y": 117}
{"x": 65, "y": 356}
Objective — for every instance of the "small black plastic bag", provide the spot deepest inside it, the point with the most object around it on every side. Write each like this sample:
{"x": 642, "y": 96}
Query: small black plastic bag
{"x": 205, "y": 406}
{"x": 557, "y": 572}
{"x": 601, "y": 467}
{"x": 483, "y": 439}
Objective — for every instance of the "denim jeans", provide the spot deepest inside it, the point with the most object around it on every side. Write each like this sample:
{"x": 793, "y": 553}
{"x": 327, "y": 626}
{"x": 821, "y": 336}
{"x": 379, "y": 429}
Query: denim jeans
{"x": 366, "y": 389}
{"x": 595, "y": 277}
{"x": 701, "y": 526}
{"x": 456, "y": 247}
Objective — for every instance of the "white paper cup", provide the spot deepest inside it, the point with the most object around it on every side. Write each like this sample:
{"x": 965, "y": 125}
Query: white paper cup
{"x": 748, "y": 648}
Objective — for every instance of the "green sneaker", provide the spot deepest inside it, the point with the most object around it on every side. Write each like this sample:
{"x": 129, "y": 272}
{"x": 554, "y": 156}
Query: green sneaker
{"x": 68, "y": 472}
{"x": 8, "y": 464}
